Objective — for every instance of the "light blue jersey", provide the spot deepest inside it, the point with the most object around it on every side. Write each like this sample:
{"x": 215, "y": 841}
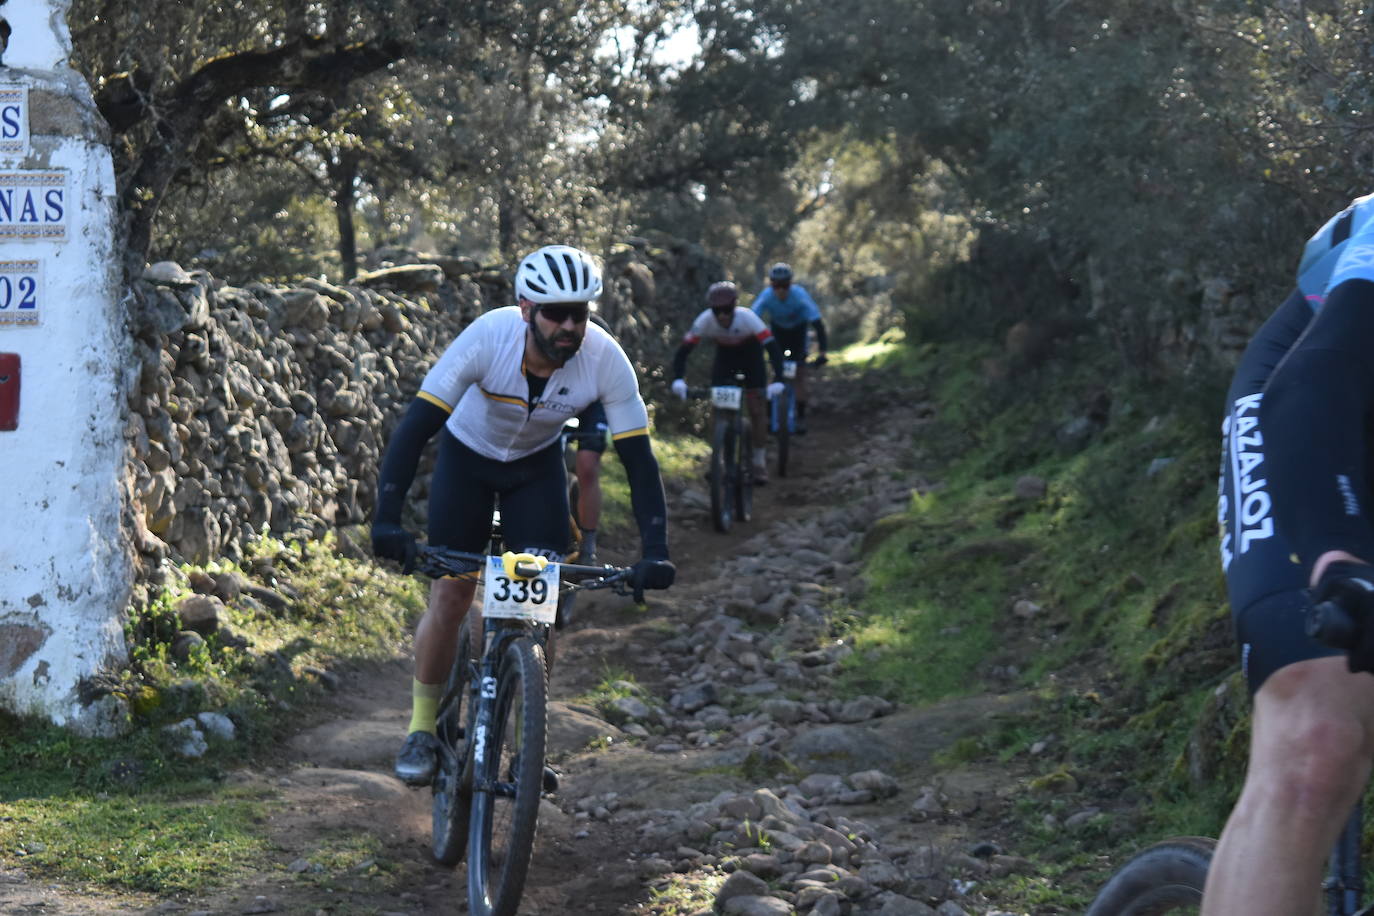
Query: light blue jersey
{"x": 792, "y": 312}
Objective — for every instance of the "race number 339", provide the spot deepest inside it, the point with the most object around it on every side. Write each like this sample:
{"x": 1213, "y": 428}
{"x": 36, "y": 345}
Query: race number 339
{"x": 21, "y": 292}
{"x": 520, "y": 599}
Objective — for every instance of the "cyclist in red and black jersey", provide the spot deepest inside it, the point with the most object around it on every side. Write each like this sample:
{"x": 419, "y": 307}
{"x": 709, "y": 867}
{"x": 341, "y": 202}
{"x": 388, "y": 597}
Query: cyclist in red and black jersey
{"x": 741, "y": 338}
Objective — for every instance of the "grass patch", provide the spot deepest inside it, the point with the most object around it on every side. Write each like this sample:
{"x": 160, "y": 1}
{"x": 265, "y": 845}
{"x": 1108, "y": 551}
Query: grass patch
{"x": 1090, "y": 507}
{"x": 143, "y": 842}
{"x": 130, "y": 813}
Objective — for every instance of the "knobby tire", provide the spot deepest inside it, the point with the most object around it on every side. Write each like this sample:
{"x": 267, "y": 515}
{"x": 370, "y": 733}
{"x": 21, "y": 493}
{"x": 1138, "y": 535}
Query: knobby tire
{"x": 452, "y": 784}
{"x": 722, "y": 502}
{"x": 503, "y": 823}
{"x": 744, "y": 478}
{"x": 1167, "y": 877}
{"x": 782, "y": 412}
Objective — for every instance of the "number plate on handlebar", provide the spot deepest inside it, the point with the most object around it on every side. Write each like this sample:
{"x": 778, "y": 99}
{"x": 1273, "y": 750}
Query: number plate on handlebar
{"x": 726, "y": 397}
{"x": 789, "y": 368}
{"x": 519, "y": 599}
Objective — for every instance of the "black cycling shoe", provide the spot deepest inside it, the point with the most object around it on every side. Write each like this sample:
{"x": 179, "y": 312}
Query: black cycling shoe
{"x": 550, "y": 781}
{"x": 418, "y": 759}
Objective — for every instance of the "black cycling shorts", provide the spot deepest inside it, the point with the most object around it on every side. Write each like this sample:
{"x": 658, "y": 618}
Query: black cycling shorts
{"x": 591, "y": 429}
{"x": 746, "y": 358}
{"x": 793, "y": 339}
{"x": 532, "y": 492}
{"x": 1265, "y": 581}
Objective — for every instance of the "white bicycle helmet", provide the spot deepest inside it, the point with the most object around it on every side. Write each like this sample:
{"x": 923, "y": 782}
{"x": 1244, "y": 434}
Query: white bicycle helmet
{"x": 558, "y": 273}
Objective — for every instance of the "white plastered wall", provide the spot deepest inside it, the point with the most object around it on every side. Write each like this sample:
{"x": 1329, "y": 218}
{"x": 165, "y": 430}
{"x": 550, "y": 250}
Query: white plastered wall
{"x": 65, "y": 567}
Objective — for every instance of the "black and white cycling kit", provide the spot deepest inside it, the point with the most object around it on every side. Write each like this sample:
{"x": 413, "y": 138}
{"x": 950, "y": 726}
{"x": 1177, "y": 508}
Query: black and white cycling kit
{"x": 501, "y": 439}
{"x": 1296, "y": 455}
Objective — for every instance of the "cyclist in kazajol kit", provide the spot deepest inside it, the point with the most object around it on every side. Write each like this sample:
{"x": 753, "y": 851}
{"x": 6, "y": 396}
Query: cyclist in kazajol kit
{"x": 1294, "y": 506}
{"x": 498, "y": 399}
{"x": 791, "y": 312}
{"x": 741, "y": 338}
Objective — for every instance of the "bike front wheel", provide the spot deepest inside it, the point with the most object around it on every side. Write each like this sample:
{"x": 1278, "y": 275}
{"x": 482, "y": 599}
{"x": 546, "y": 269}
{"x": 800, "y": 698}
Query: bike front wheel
{"x": 744, "y": 478}
{"x": 782, "y": 425}
{"x": 452, "y": 784}
{"x": 1167, "y": 877}
{"x": 722, "y": 499}
{"x": 509, "y": 762}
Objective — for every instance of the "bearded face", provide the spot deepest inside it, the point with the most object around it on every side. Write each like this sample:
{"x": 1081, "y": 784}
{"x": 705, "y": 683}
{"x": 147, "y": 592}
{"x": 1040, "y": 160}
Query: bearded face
{"x": 559, "y": 341}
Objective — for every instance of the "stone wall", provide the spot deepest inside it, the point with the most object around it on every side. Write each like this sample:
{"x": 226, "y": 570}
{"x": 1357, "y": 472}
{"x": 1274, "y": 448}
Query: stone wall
{"x": 260, "y": 409}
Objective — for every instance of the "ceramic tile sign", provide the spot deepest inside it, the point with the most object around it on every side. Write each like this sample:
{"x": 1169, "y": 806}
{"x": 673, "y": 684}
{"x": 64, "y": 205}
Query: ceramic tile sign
{"x": 14, "y": 121}
{"x": 22, "y": 292}
{"x": 33, "y": 205}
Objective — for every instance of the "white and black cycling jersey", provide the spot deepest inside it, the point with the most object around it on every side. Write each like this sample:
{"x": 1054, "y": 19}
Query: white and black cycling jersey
{"x": 481, "y": 380}
{"x": 744, "y": 326}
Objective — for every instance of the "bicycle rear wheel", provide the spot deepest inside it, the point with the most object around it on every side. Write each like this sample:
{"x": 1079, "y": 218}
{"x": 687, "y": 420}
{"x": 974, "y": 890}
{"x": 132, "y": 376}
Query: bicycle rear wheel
{"x": 744, "y": 463}
{"x": 452, "y": 784}
{"x": 722, "y": 501}
{"x": 1167, "y": 877}
{"x": 505, "y": 807}
{"x": 782, "y": 424}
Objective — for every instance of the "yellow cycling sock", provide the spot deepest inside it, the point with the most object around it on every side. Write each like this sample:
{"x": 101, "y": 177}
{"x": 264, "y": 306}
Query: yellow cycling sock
{"x": 424, "y": 705}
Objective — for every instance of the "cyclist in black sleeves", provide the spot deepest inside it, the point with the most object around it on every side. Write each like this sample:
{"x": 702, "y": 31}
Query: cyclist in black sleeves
{"x": 791, "y": 313}
{"x": 1295, "y": 529}
{"x": 741, "y": 338}
{"x": 498, "y": 398}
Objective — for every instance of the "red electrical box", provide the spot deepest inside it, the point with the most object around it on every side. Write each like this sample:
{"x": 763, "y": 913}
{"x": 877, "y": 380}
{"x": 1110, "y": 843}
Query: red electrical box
{"x": 9, "y": 391}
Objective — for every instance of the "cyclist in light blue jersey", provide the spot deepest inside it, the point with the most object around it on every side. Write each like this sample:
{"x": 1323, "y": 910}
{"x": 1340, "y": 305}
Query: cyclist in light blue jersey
{"x": 791, "y": 312}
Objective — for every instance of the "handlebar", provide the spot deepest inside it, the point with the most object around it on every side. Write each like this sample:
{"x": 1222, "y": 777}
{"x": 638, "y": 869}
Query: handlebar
{"x": 445, "y": 561}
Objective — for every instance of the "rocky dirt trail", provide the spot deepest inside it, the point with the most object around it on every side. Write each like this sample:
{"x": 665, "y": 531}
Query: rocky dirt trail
{"x": 730, "y": 777}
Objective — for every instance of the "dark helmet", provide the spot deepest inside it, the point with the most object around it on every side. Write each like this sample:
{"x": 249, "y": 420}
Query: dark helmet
{"x": 780, "y": 272}
{"x": 722, "y": 294}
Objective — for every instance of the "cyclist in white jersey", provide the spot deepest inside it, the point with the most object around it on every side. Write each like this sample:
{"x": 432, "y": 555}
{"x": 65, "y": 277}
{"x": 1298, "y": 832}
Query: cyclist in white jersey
{"x": 501, "y": 394}
{"x": 741, "y": 338}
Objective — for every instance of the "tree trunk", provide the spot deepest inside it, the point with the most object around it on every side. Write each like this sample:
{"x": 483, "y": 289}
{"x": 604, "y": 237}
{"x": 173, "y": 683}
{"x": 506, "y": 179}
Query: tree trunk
{"x": 343, "y": 172}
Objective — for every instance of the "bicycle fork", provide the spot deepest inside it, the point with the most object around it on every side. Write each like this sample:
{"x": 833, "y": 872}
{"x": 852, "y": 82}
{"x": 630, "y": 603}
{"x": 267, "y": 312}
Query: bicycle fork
{"x": 481, "y": 733}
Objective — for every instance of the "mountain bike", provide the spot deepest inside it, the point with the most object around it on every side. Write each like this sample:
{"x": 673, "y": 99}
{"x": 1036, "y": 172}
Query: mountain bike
{"x": 732, "y": 444}
{"x": 782, "y": 412}
{"x": 492, "y": 718}
{"x": 1170, "y": 875}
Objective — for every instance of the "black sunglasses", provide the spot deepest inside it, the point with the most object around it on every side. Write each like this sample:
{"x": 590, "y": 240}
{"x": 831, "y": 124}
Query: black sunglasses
{"x": 559, "y": 312}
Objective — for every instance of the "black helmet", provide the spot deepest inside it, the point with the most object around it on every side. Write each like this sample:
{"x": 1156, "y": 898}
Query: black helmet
{"x": 780, "y": 272}
{"x": 722, "y": 294}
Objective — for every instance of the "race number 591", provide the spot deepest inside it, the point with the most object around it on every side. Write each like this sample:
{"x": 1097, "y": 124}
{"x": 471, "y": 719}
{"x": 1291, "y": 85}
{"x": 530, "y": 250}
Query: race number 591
{"x": 21, "y": 292}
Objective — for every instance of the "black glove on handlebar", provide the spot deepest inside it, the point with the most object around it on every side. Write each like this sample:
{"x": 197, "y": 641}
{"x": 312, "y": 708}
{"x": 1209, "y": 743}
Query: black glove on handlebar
{"x": 1351, "y": 586}
{"x": 392, "y": 542}
{"x": 652, "y": 574}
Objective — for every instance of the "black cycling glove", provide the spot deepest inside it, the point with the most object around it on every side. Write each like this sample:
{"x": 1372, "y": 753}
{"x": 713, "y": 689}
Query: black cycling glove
{"x": 1351, "y": 586}
{"x": 392, "y": 542}
{"x": 652, "y": 574}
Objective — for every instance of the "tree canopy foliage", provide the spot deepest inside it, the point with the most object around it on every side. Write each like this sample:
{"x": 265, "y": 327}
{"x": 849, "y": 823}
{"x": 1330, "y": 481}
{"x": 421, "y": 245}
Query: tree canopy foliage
{"x": 1122, "y": 144}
